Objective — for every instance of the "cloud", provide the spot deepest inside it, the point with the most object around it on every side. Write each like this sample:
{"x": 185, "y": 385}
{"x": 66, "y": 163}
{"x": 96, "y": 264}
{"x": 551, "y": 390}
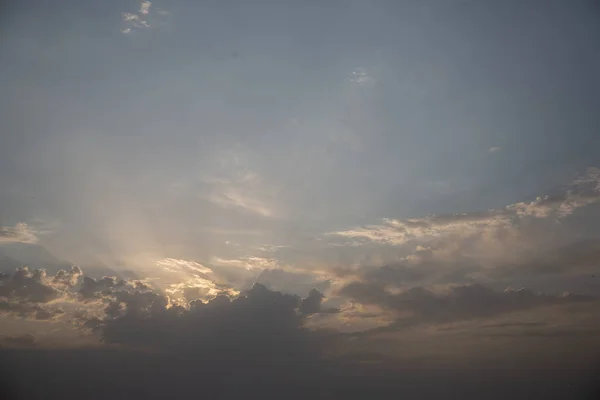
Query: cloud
{"x": 312, "y": 304}
{"x": 258, "y": 322}
{"x": 29, "y": 286}
{"x": 28, "y": 310}
{"x": 399, "y": 232}
{"x": 262, "y": 335}
{"x": 248, "y": 262}
{"x": 142, "y": 17}
{"x": 459, "y": 303}
{"x": 296, "y": 282}
{"x": 234, "y": 185}
{"x": 495, "y": 149}
{"x": 578, "y": 258}
{"x": 177, "y": 265}
{"x": 111, "y": 305}
{"x": 235, "y": 198}
{"x": 36, "y": 295}
{"x": 581, "y": 192}
{"x": 24, "y": 294}
{"x": 22, "y": 340}
{"x": 361, "y": 77}
{"x": 20, "y": 233}
{"x": 134, "y": 20}
{"x": 145, "y": 7}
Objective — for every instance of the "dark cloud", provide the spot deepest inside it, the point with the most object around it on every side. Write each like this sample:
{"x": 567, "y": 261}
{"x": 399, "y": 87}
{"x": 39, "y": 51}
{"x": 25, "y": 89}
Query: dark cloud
{"x": 105, "y": 373}
{"x": 22, "y": 340}
{"x": 578, "y": 257}
{"x": 25, "y": 293}
{"x": 291, "y": 282}
{"x": 68, "y": 277}
{"x": 91, "y": 287}
{"x": 313, "y": 304}
{"x": 259, "y": 321}
{"x": 459, "y": 303}
{"x": 514, "y": 324}
{"x": 28, "y": 310}
{"x": 254, "y": 343}
{"x": 28, "y": 286}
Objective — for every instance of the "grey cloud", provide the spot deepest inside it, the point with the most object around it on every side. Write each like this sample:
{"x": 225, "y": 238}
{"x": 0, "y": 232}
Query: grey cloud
{"x": 571, "y": 267}
{"x": 291, "y": 282}
{"x": 514, "y": 324}
{"x": 421, "y": 267}
{"x": 28, "y": 310}
{"x": 259, "y": 321}
{"x": 28, "y": 286}
{"x": 23, "y": 340}
{"x": 20, "y": 233}
{"x": 91, "y": 287}
{"x": 578, "y": 258}
{"x": 419, "y": 304}
{"x": 313, "y": 304}
{"x": 26, "y": 293}
{"x": 35, "y": 295}
{"x": 68, "y": 277}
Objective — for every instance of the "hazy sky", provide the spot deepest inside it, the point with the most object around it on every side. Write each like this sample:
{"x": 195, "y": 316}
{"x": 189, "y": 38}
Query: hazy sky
{"x": 178, "y": 127}
{"x": 328, "y": 144}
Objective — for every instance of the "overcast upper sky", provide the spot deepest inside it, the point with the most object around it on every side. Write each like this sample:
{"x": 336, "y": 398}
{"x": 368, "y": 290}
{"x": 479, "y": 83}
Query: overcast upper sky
{"x": 364, "y": 148}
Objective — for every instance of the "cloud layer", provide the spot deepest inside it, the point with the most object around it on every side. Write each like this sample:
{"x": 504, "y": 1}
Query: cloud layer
{"x": 20, "y": 233}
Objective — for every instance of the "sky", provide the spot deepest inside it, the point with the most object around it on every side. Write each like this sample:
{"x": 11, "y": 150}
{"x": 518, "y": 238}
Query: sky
{"x": 372, "y": 172}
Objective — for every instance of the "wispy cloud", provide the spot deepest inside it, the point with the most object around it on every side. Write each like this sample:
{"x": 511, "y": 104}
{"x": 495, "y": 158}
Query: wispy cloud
{"x": 495, "y": 149}
{"x": 360, "y": 76}
{"x": 143, "y": 17}
{"x": 235, "y": 185}
{"x": 20, "y": 233}
{"x": 135, "y": 20}
{"x": 247, "y": 263}
{"x": 145, "y": 7}
{"x": 580, "y": 193}
{"x": 235, "y": 198}
{"x": 178, "y": 265}
{"x": 186, "y": 279}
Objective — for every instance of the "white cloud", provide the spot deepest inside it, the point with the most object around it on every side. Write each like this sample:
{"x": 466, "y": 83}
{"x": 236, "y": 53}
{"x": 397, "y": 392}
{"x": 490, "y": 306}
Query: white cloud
{"x": 247, "y": 263}
{"x": 397, "y": 232}
{"x": 130, "y": 17}
{"x": 145, "y": 7}
{"x": 495, "y": 149}
{"x": 20, "y": 233}
{"x": 185, "y": 277}
{"x": 178, "y": 265}
{"x": 361, "y": 77}
{"x": 141, "y": 18}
